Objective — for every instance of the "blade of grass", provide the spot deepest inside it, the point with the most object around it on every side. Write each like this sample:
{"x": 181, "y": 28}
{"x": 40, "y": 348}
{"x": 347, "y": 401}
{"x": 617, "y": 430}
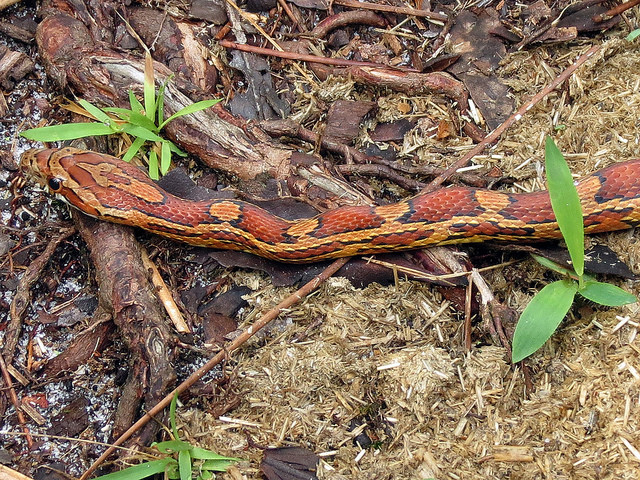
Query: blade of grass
{"x": 135, "y": 104}
{"x": 565, "y": 203}
{"x": 138, "y": 131}
{"x": 99, "y": 114}
{"x": 174, "y": 148}
{"x": 184, "y": 464}
{"x": 551, "y": 265}
{"x": 165, "y": 158}
{"x": 149, "y": 88}
{"x": 68, "y": 131}
{"x": 172, "y": 416}
{"x": 172, "y": 446}
{"x": 202, "y": 454}
{"x": 541, "y": 318}
{"x": 133, "y": 117}
{"x": 153, "y": 165}
{"x": 160, "y": 107}
{"x": 218, "y": 465}
{"x": 194, "y": 107}
{"x": 133, "y": 150}
{"x": 606, "y": 294}
{"x": 138, "y": 472}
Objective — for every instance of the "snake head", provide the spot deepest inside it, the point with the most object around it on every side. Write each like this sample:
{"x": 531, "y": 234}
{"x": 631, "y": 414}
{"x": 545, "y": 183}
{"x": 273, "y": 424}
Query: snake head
{"x": 50, "y": 168}
{"x": 97, "y": 184}
{"x": 35, "y": 167}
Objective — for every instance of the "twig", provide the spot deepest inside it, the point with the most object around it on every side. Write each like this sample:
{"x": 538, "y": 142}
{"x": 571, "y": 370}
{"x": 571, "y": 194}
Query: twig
{"x": 380, "y": 171}
{"x": 294, "y": 20}
{"x": 292, "y": 129}
{"x": 220, "y": 356}
{"x": 164, "y": 295}
{"x": 392, "y": 8}
{"x": 617, "y": 10}
{"x": 22, "y": 298}
{"x": 467, "y": 313}
{"x": 340, "y": 62}
{"x": 495, "y": 134}
{"x": 16, "y": 402}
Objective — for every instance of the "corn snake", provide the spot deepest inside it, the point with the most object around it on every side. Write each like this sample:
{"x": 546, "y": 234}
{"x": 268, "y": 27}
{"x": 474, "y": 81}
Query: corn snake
{"x": 110, "y": 189}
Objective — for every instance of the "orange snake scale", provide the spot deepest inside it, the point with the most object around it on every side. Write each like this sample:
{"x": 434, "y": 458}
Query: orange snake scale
{"x": 110, "y": 189}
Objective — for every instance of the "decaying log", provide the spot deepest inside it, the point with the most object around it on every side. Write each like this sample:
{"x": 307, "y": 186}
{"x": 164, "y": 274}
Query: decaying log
{"x": 100, "y": 74}
{"x": 125, "y": 292}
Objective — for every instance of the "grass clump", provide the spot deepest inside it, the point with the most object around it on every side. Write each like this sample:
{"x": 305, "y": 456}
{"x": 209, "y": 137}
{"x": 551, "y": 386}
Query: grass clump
{"x": 142, "y": 122}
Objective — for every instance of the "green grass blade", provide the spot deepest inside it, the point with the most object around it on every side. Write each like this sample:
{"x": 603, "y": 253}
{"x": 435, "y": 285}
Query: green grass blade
{"x": 138, "y": 131}
{"x": 606, "y": 294}
{"x": 633, "y": 35}
{"x": 172, "y": 446}
{"x": 565, "y": 203}
{"x": 138, "y": 472}
{"x": 160, "y": 107}
{"x": 95, "y": 111}
{"x": 541, "y": 318}
{"x": 165, "y": 158}
{"x": 194, "y": 107}
{"x": 133, "y": 117}
{"x": 217, "y": 465}
{"x": 68, "y": 131}
{"x": 172, "y": 416}
{"x": 122, "y": 113}
{"x": 133, "y": 150}
{"x": 203, "y": 454}
{"x": 153, "y": 165}
{"x": 149, "y": 88}
{"x": 174, "y": 149}
{"x": 551, "y": 265}
{"x": 135, "y": 104}
{"x": 184, "y": 464}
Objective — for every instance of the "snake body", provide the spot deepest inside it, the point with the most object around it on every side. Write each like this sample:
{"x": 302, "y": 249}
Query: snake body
{"x": 110, "y": 189}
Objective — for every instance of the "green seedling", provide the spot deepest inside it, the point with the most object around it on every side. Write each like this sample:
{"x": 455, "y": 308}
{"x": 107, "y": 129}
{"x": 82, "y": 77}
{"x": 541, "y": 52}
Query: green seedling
{"x": 547, "y": 309}
{"x": 179, "y": 459}
{"x": 143, "y": 123}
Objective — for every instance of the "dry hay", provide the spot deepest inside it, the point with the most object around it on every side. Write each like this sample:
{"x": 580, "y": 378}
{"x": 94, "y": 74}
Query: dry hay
{"x": 393, "y": 355}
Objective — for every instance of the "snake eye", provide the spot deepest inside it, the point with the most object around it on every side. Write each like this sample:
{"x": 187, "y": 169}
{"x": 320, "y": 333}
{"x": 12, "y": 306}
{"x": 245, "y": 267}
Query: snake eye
{"x": 55, "y": 184}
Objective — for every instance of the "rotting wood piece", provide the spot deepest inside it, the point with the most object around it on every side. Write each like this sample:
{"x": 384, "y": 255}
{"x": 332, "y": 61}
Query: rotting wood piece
{"x": 13, "y": 67}
{"x": 174, "y": 44}
{"x": 126, "y": 292}
{"x": 104, "y": 76}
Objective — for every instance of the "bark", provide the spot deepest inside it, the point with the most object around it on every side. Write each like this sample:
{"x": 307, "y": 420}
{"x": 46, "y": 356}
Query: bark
{"x": 126, "y": 293}
{"x": 102, "y": 75}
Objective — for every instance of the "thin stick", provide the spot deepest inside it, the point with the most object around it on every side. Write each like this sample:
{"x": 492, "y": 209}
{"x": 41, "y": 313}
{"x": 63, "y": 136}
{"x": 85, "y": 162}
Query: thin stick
{"x": 493, "y": 136}
{"x": 617, "y": 10}
{"x": 16, "y": 402}
{"x": 392, "y": 8}
{"x": 220, "y": 356}
{"x": 340, "y": 62}
{"x": 164, "y": 295}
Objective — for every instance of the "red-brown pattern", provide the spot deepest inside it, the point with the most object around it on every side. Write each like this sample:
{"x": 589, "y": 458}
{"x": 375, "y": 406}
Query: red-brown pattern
{"x": 110, "y": 189}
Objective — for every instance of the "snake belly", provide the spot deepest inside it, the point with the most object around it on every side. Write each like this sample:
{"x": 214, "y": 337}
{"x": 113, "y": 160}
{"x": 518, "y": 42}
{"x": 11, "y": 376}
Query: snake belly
{"x": 110, "y": 189}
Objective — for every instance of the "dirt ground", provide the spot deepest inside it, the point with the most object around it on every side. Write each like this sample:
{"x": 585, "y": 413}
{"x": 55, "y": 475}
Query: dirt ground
{"x": 376, "y": 380}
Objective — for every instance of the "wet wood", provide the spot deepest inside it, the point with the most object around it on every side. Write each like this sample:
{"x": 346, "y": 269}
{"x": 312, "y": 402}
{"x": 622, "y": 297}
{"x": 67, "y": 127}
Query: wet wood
{"x": 13, "y": 67}
{"x": 103, "y": 75}
{"x": 83, "y": 347}
{"x": 125, "y": 292}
